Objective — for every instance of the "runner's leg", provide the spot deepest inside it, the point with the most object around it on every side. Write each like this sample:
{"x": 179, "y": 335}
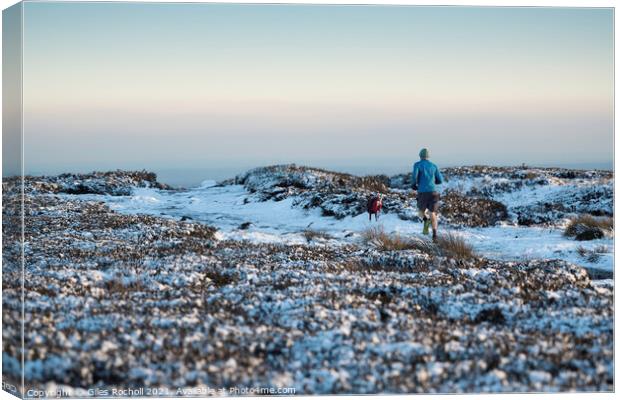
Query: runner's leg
{"x": 434, "y": 222}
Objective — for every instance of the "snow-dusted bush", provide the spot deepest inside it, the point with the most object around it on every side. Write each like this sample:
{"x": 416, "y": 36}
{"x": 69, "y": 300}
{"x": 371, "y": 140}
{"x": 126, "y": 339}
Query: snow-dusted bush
{"x": 588, "y": 227}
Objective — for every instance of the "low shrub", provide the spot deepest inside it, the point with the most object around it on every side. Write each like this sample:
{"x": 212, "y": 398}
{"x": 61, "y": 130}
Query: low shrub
{"x": 593, "y": 255}
{"x": 375, "y": 183}
{"x": 220, "y": 278}
{"x": 492, "y": 315}
{"x": 472, "y": 211}
{"x": 588, "y": 227}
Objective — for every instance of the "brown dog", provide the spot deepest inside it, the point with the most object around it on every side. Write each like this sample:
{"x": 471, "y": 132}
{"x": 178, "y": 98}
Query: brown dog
{"x": 373, "y": 206}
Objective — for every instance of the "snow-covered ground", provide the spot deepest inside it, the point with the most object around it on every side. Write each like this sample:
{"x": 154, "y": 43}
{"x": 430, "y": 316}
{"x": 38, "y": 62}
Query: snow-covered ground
{"x": 227, "y": 207}
{"x": 139, "y": 297}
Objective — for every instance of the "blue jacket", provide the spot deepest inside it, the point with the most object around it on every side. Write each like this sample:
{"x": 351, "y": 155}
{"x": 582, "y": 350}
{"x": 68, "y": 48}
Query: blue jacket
{"x": 425, "y": 176}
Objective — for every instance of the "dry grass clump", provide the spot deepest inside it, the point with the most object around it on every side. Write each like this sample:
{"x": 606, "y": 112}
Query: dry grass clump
{"x": 602, "y": 249}
{"x": 378, "y": 237}
{"x": 311, "y": 234}
{"x": 448, "y": 245}
{"x": 453, "y": 245}
{"x": 375, "y": 183}
{"x": 593, "y": 255}
{"x": 589, "y": 221}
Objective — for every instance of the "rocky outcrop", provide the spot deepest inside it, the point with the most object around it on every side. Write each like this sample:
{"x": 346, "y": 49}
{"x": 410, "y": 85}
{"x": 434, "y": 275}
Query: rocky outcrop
{"x": 341, "y": 195}
{"x": 593, "y": 200}
{"x": 536, "y": 196}
{"x": 472, "y": 196}
{"x": 293, "y": 179}
{"x": 335, "y": 194}
{"x": 115, "y": 183}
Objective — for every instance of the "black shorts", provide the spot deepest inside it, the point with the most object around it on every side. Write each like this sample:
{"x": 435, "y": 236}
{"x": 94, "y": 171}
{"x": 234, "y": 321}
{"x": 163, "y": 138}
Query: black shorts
{"x": 428, "y": 200}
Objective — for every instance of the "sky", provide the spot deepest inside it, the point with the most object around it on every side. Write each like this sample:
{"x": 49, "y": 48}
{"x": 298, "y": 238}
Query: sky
{"x": 224, "y": 87}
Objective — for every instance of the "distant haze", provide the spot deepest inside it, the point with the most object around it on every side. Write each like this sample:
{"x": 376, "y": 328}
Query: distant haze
{"x": 223, "y": 87}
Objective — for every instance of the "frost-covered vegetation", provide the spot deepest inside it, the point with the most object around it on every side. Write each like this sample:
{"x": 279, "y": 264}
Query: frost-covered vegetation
{"x": 473, "y": 196}
{"x": 588, "y": 227}
{"x": 449, "y": 244}
{"x": 115, "y": 183}
{"x": 119, "y": 295}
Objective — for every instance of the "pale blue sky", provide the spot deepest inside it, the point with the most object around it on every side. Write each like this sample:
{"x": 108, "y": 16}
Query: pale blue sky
{"x": 163, "y": 86}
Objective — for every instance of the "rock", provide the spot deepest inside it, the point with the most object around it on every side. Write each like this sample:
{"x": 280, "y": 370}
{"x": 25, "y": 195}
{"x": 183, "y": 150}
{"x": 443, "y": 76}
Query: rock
{"x": 245, "y": 225}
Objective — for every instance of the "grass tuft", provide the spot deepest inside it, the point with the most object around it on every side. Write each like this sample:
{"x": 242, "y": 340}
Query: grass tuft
{"x": 448, "y": 245}
{"x": 453, "y": 245}
{"x": 593, "y": 255}
{"x": 378, "y": 237}
{"x": 375, "y": 183}
{"x": 590, "y": 221}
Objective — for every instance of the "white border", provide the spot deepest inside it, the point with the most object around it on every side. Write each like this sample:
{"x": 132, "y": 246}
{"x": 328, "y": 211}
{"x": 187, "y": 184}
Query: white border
{"x": 488, "y": 3}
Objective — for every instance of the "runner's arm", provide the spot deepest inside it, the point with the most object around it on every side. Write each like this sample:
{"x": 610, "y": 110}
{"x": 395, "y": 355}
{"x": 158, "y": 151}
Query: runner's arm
{"x": 438, "y": 177}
